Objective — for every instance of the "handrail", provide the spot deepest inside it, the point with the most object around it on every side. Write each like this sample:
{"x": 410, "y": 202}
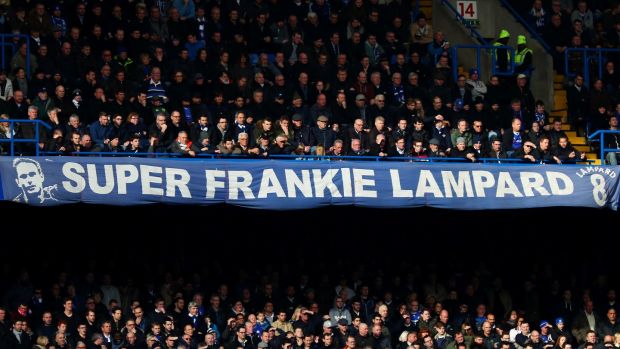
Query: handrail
{"x": 472, "y": 30}
{"x": 587, "y": 56}
{"x": 3, "y": 44}
{"x": 479, "y": 48}
{"x": 14, "y": 140}
{"x": 242, "y": 157}
{"x": 601, "y": 135}
{"x": 523, "y": 22}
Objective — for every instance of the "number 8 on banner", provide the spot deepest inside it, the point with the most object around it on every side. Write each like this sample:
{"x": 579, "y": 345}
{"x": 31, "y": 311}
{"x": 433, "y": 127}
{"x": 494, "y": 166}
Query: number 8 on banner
{"x": 598, "y": 190}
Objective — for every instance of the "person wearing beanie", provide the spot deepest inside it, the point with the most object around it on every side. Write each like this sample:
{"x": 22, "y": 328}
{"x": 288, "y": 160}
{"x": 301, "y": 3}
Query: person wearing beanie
{"x": 523, "y": 57}
{"x": 502, "y": 55}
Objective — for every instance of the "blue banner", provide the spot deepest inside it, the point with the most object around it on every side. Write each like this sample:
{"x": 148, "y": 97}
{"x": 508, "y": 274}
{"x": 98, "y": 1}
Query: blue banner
{"x": 289, "y": 184}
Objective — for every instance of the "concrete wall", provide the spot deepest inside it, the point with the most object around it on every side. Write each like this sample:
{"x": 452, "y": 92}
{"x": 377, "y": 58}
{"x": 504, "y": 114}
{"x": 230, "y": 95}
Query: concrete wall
{"x": 494, "y": 17}
{"x": 455, "y": 33}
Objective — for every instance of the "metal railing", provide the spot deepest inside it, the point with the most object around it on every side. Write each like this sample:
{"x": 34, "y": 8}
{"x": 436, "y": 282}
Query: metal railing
{"x": 472, "y": 30}
{"x": 241, "y": 157}
{"x": 527, "y": 26}
{"x": 588, "y": 56}
{"x": 7, "y": 41}
{"x": 12, "y": 140}
{"x": 492, "y": 50}
{"x": 600, "y": 134}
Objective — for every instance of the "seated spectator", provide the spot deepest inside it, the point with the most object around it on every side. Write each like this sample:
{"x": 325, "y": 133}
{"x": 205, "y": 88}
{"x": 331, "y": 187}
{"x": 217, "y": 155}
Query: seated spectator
{"x": 434, "y": 149}
{"x": 496, "y": 151}
{"x": 513, "y": 138}
{"x": 418, "y": 150}
{"x": 461, "y": 150}
{"x": 182, "y": 145}
{"x": 565, "y": 153}
{"x": 478, "y": 88}
{"x": 527, "y": 153}
{"x": 356, "y": 148}
{"x": 379, "y": 147}
{"x": 134, "y": 145}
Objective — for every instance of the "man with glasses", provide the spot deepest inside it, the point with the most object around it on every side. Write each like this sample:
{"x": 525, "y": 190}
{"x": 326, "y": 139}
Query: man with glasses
{"x": 240, "y": 340}
{"x": 377, "y": 107}
{"x": 480, "y": 138}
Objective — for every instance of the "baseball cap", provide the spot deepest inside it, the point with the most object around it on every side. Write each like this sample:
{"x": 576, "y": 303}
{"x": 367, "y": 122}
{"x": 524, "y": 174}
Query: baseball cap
{"x": 43, "y": 89}
{"x": 264, "y": 136}
{"x": 460, "y": 140}
{"x": 521, "y": 76}
{"x": 458, "y": 103}
{"x": 327, "y": 324}
{"x": 545, "y": 323}
{"x": 77, "y": 92}
{"x": 559, "y": 321}
{"x": 435, "y": 141}
{"x": 322, "y": 118}
{"x": 297, "y": 117}
{"x": 198, "y": 76}
{"x": 343, "y": 322}
{"x": 360, "y": 97}
{"x": 473, "y": 71}
{"x": 262, "y": 345}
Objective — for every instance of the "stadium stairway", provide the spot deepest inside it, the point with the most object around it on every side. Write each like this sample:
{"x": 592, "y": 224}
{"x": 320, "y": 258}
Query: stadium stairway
{"x": 560, "y": 110}
{"x": 426, "y": 7}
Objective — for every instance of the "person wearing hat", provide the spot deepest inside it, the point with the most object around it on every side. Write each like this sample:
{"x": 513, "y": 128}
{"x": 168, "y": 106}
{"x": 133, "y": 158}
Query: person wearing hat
{"x": 302, "y": 134}
{"x": 462, "y": 151}
{"x": 560, "y": 329}
{"x": 322, "y": 133}
{"x": 434, "y": 149}
{"x": 58, "y": 22}
{"x": 76, "y": 106}
{"x": 122, "y": 59}
{"x": 43, "y": 101}
{"x": 502, "y": 55}
{"x": 523, "y": 57}
{"x": 478, "y": 88}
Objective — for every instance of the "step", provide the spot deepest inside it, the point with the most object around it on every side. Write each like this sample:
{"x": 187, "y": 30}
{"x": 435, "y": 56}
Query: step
{"x": 558, "y": 78}
{"x": 577, "y": 140}
{"x": 563, "y": 118}
{"x": 428, "y": 12}
{"x": 557, "y": 86}
{"x": 582, "y": 148}
{"x": 559, "y": 112}
{"x": 591, "y": 156}
{"x": 571, "y": 133}
{"x": 559, "y": 93}
{"x": 596, "y": 162}
{"x": 559, "y": 103}
{"x": 566, "y": 127}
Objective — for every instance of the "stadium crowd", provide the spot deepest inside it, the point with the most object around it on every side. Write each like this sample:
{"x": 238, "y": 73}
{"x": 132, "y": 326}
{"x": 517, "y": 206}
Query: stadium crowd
{"x": 361, "y": 309}
{"x": 258, "y": 77}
